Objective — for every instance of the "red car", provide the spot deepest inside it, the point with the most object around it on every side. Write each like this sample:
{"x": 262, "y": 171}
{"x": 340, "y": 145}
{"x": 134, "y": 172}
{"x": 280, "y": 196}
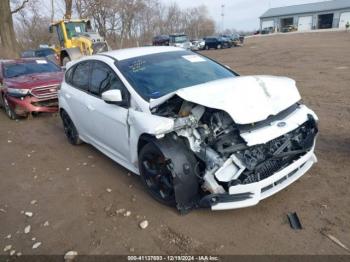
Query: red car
{"x": 29, "y": 85}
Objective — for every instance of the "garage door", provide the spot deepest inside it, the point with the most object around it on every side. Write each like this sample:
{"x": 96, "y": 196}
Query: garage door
{"x": 268, "y": 24}
{"x": 344, "y": 18}
{"x": 305, "y": 23}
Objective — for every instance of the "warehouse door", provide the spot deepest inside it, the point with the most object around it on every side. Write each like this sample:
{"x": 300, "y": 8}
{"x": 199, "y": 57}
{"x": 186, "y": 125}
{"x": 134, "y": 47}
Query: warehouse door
{"x": 325, "y": 21}
{"x": 305, "y": 23}
{"x": 268, "y": 24}
{"x": 344, "y": 19}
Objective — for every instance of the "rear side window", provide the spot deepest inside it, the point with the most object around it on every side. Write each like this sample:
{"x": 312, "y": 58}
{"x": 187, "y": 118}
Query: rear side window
{"x": 103, "y": 78}
{"x": 80, "y": 78}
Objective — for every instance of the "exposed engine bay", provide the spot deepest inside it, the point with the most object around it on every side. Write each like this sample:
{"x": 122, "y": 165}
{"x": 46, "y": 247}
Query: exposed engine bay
{"x": 224, "y": 158}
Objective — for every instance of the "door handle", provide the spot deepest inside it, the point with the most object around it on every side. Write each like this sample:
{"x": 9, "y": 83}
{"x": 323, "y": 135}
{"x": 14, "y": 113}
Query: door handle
{"x": 90, "y": 107}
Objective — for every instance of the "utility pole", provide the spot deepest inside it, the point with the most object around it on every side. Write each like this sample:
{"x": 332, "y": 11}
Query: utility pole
{"x": 222, "y": 18}
{"x": 52, "y": 11}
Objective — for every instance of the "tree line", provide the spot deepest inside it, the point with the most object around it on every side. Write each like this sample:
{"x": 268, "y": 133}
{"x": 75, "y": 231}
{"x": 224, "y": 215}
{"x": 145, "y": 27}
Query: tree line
{"x": 124, "y": 23}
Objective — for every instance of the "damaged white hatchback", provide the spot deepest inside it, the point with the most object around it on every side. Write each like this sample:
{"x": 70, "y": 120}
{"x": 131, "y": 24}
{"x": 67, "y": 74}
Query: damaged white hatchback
{"x": 197, "y": 133}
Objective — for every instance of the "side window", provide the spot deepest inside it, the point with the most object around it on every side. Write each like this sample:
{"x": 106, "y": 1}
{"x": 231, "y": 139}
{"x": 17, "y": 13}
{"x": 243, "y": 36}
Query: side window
{"x": 81, "y": 75}
{"x": 68, "y": 76}
{"x": 103, "y": 78}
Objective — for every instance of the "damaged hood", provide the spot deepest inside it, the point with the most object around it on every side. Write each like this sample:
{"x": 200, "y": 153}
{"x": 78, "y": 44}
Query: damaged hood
{"x": 247, "y": 99}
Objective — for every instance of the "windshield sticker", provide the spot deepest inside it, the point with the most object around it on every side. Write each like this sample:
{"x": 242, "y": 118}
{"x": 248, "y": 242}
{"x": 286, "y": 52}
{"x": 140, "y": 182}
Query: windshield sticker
{"x": 137, "y": 66}
{"x": 77, "y": 29}
{"x": 194, "y": 58}
{"x": 41, "y": 61}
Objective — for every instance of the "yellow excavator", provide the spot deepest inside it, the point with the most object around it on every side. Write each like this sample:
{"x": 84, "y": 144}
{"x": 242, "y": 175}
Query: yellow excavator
{"x": 76, "y": 39}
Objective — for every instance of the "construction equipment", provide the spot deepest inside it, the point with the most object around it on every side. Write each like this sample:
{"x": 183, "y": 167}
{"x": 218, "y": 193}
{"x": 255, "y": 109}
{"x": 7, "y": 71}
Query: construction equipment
{"x": 76, "y": 39}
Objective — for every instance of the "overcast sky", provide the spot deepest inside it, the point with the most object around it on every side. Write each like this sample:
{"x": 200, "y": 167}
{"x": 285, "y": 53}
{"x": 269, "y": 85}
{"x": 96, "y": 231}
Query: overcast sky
{"x": 239, "y": 14}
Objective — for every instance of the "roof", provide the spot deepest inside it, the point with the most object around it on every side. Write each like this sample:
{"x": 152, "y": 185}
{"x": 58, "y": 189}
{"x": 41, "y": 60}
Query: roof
{"x": 123, "y": 54}
{"x": 307, "y": 8}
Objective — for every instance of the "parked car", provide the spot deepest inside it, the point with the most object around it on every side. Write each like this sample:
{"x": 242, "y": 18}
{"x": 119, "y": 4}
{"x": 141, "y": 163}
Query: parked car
{"x": 217, "y": 42}
{"x": 180, "y": 40}
{"x": 48, "y": 53}
{"x": 197, "y": 133}
{"x": 236, "y": 39}
{"x": 161, "y": 40}
{"x": 197, "y": 44}
{"x": 29, "y": 85}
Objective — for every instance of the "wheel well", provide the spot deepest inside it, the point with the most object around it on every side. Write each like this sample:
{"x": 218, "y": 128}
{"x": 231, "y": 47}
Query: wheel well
{"x": 144, "y": 140}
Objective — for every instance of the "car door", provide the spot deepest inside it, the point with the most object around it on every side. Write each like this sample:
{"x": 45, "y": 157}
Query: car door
{"x": 108, "y": 122}
{"x": 76, "y": 96}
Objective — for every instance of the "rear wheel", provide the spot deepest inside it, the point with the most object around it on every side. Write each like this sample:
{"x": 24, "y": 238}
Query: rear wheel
{"x": 156, "y": 175}
{"x": 218, "y": 46}
{"x": 8, "y": 109}
{"x": 70, "y": 129}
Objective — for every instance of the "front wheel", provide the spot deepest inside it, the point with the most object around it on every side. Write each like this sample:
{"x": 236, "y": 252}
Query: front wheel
{"x": 218, "y": 46}
{"x": 206, "y": 47}
{"x": 8, "y": 109}
{"x": 156, "y": 174}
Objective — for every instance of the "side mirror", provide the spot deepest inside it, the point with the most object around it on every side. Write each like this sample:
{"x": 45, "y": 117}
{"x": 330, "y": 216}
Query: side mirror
{"x": 113, "y": 97}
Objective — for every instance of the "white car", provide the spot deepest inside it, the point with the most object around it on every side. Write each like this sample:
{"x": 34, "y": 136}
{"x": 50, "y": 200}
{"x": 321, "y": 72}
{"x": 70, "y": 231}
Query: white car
{"x": 197, "y": 133}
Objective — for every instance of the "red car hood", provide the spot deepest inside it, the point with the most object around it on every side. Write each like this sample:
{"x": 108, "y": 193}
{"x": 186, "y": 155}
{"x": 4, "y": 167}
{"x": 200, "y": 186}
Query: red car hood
{"x": 35, "y": 80}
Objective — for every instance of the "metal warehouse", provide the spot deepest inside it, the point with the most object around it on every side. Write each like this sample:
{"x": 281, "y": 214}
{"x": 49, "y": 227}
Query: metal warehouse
{"x": 306, "y": 17}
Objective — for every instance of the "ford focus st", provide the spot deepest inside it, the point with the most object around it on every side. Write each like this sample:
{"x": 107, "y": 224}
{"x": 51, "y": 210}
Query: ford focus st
{"x": 197, "y": 133}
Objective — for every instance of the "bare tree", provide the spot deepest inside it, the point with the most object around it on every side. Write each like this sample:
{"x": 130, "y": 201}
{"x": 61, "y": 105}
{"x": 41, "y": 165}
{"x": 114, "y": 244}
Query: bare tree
{"x": 7, "y": 32}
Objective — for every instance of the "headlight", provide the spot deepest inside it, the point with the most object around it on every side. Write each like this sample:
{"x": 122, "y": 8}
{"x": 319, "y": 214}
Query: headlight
{"x": 17, "y": 91}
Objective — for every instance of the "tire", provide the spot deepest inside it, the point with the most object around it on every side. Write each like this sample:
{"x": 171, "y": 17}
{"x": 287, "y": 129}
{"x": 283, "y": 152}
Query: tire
{"x": 69, "y": 129}
{"x": 206, "y": 47}
{"x": 8, "y": 110}
{"x": 156, "y": 175}
{"x": 65, "y": 60}
{"x": 218, "y": 46}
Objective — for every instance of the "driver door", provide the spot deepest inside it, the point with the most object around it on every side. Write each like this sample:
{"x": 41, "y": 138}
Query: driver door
{"x": 108, "y": 124}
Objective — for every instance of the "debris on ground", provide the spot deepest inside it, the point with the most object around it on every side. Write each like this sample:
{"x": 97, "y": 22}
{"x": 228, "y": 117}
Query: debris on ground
{"x": 36, "y": 245}
{"x": 8, "y": 236}
{"x": 70, "y": 255}
{"x": 33, "y": 202}
{"x": 19, "y": 254}
{"x": 109, "y": 190}
{"x": 29, "y": 214}
{"x": 67, "y": 169}
{"x": 27, "y": 229}
{"x": 132, "y": 250}
{"x": 12, "y": 252}
{"x": 119, "y": 211}
{"x": 294, "y": 221}
{"x": 127, "y": 213}
{"x": 33, "y": 238}
{"x": 7, "y": 248}
{"x": 46, "y": 224}
{"x": 2, "y": 210}
{"x": 143, "y": 224}
{"x": 9, "y": 141}
{"x": 335, "y": 240}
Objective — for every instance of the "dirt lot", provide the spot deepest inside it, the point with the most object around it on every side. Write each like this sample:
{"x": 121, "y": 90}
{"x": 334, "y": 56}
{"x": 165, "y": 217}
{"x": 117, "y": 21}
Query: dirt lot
{"x": 69, "y": 183}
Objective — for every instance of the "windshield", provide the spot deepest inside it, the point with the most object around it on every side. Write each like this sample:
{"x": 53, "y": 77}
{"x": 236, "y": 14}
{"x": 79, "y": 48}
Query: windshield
{"x": 156, "y": 75}
{"x": 44, "y": 52}
{"x": 29, "y": 67}
{"x": 75, "y": 28}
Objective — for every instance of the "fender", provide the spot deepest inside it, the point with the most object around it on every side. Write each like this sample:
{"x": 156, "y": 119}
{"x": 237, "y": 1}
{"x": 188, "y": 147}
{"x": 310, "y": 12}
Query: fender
{"x": 74, "y": 53}
{"x": 183, "y": 165}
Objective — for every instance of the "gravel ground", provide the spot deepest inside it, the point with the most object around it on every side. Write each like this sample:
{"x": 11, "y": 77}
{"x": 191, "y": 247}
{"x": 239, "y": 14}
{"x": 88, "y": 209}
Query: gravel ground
{"x": 79, "y": 198}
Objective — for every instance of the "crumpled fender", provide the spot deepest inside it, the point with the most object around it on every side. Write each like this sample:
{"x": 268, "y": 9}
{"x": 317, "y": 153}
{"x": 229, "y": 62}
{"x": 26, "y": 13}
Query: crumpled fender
{"x": 183, "y": 164}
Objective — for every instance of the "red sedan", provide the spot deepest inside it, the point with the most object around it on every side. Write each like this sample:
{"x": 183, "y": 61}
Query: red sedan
{"x": 29, "y": 85}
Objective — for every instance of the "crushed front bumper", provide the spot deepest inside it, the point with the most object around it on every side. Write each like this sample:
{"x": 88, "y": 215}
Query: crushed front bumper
{"x": 240, "y": 196}
{"x": 28, "y": 104}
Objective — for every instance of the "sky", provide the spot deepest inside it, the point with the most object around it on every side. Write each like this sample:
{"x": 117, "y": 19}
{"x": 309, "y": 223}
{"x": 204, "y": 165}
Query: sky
{"x": 239, "y": 14}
